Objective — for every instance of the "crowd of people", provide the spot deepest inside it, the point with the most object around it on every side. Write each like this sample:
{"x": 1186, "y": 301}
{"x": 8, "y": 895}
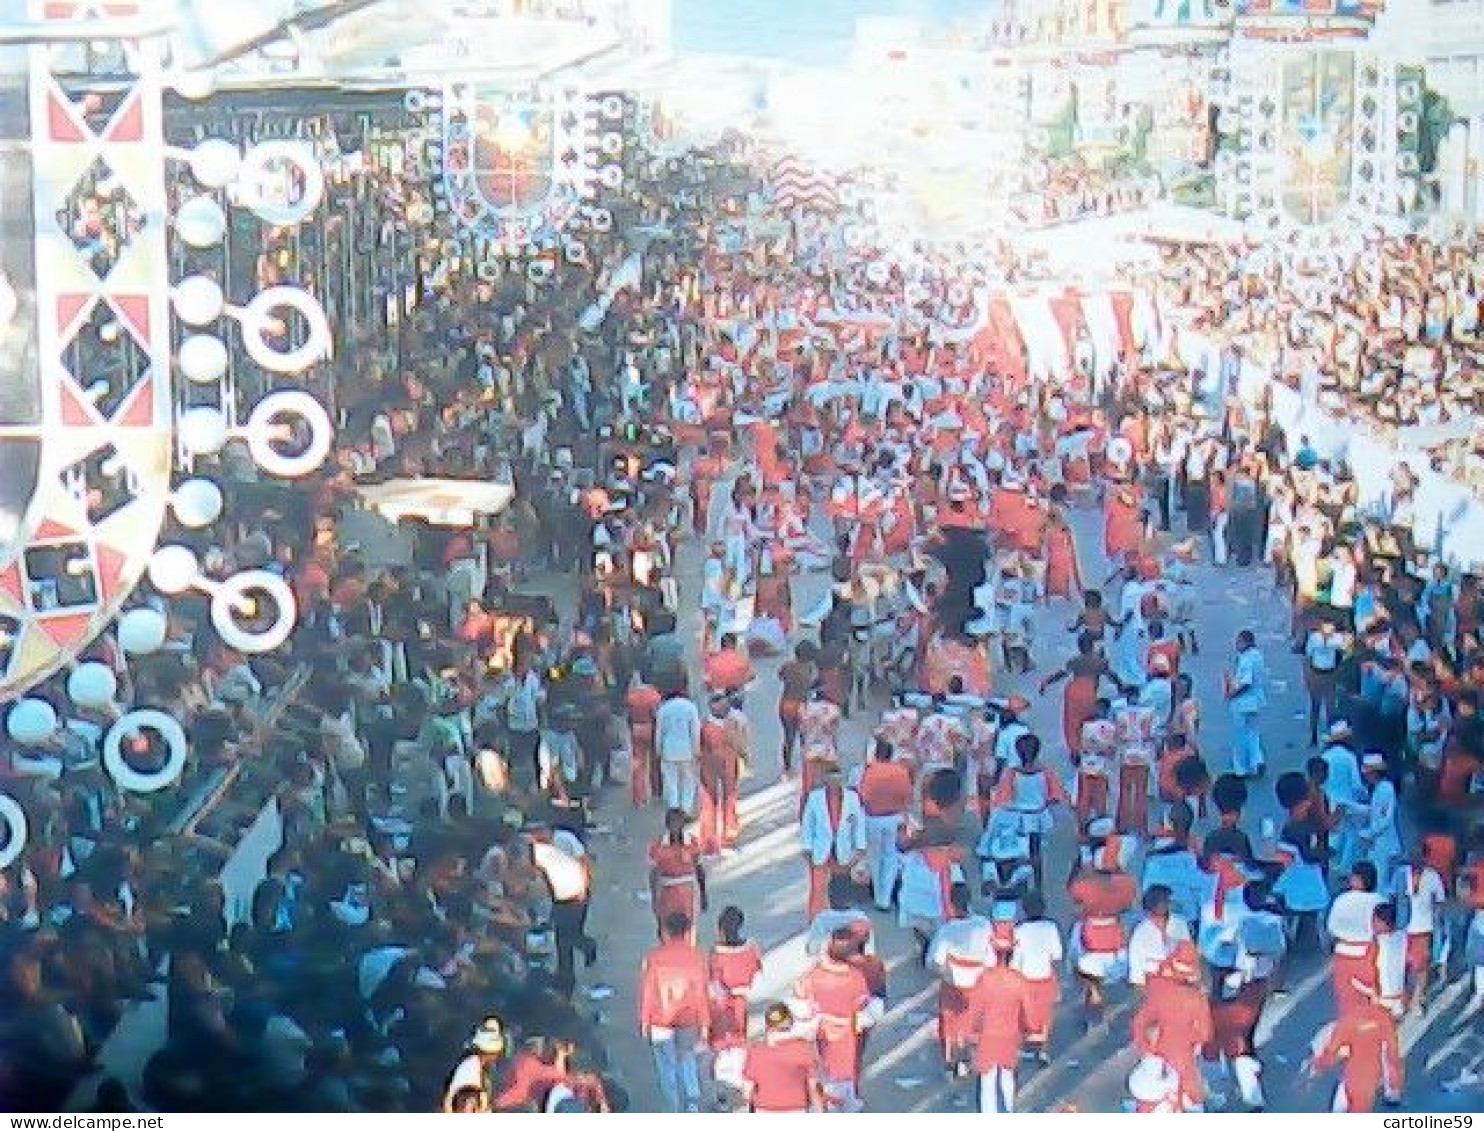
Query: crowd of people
{"x": 453, "y": 737}
{"x": 419, "y": 738}
{"x": 946, "y": 501}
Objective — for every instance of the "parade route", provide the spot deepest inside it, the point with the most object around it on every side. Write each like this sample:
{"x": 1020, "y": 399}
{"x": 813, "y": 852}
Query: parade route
{"x": 765, "y": 877}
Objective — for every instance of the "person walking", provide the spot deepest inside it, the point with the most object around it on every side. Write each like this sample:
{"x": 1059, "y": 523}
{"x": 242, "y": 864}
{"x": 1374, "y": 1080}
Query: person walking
{"x": 723, "y": 747}
{"x": 832, "y": 834}
{"x": 999, "y": 1005}
{"x": 1246, "y": 696}
{"x": 885, "y": 790}
{"x": 677, "y": 740}
{"x": 674, "y": 1012}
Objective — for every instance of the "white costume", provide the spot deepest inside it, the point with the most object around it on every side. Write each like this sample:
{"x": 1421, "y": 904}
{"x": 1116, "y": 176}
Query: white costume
{"x": 821, "y": 841}
{"x": 1150, "y": 944}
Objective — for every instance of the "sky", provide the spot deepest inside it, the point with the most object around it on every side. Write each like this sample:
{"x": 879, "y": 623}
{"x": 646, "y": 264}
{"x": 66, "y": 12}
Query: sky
{"x": 814, "y": 32}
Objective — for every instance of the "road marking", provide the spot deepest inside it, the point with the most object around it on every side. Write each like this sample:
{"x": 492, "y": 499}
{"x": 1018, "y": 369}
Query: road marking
{"x": 1275, "y": 1011}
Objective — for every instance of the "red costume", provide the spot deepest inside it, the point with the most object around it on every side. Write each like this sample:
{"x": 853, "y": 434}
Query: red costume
{"x": 999, "y": 1018}
{"x": 726, "y": 669}
{"x": 781, "y": 1070}
{"x": 732, "y": 971}
{"x": 642, "y": 701}
{"x": 1122, "y": 522}
{"x": 1174, "y": 1022}
{"x": 675, "y": 886}
{"x": 719, "y": 767}
{"x": 837, "y": 993}
{"x": 1063, "y": 572}
{"x": 1366, "y": 1040}
{"x": 672, "y": 988}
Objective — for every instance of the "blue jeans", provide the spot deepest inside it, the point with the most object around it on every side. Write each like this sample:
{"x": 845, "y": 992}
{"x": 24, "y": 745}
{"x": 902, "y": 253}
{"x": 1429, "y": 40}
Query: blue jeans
{"x": 675, "y": 1066}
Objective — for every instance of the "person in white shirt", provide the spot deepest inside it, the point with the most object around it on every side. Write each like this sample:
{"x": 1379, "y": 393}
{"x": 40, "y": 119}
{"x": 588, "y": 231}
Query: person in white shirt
{"x": 959, "y": 952}
{"x": 1391, "y": 960}
{"x": 1380, "y": 835}
{"x": 832, "y": 834}
{"x": 677, "y": 740}
{"x": 1246, "y": 696}
{"x": 1419, "y": 892}
{"x": 1038, "y": 954}
{"x": 1345, "y": 792}
{"x": 1351, "y": 928}
{"x": 1156, "y": 936}
{"x": 1323, "y": 651}
{"x": 523, "y": 718}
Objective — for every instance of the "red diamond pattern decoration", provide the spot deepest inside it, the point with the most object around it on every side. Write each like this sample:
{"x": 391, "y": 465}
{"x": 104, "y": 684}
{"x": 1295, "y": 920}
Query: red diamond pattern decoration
{"x": 66, "y": 630}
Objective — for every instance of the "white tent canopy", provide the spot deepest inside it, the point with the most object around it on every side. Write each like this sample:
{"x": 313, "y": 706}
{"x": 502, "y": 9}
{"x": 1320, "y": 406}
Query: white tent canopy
{"x": 442, "y": 502}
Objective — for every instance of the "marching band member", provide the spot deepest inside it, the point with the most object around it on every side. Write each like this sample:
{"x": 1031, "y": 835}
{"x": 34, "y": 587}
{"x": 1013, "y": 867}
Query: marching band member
{"x": 960, "y": 952}
{"x": 885, "y": 790}
{"x": 677, "y": 881}
{"x": 1365, "y": 1040}
{"x": 1155, "y": 937}
{"x": 1038, "y": 954}
{"x": 1029, "y": 791}
{"x": 832, "y": 834}
{"x": 998, "y": 1020}
{"x": 1174, "y": 1022}
{"x": 835, "y": 997}
{"x": 1101, "y": 892}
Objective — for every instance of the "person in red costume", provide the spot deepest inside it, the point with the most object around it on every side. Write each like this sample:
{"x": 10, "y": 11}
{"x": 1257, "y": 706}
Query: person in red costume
{"x": 1365, "y": 1040}
{"x": 1101, "y": 891}
{"x": 674, "y": 1011}
{"x": 728, "y": 668}
{"x": 642, "y": 702}
{"x": 1174, "y": 1021}
{"x": 837, "y": 998}
{"x": 999, "y": 1020}
{"x": 677, "y": 882}
{"x": 780, "y": 1069}
{"x": 1122, "y": 521}
{"x": 1063, "y": 568}
{"x": 723, "y": 746}
{"x": 733, "y": 964}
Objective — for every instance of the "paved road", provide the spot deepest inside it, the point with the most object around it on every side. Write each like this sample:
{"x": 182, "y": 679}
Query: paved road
{"x": 765, "y": 877}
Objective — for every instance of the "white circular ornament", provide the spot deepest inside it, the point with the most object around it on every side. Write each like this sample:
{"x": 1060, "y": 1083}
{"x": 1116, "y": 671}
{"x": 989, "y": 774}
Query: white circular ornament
{"x": 92, "y": 685}
{"x": 201, "y": 222}
{"x": 141, "y": 631}
{"x": 258, "y": 173}
{"x": 198, "y": 300}
{"x": 197, "y": 503}
{"x": 255, "y": 586}
{"x": 14, "y": 819}
{"x": 125, "y": 775}
{"x": 31, "y": 722}
{"x": 203, "y": 431}
{"x": 215, "y": 163}
{"x": 203, "y": 359}
{"x": 193, "y": 85}
{"x": 173, "y": 569}
{"x": 264, "y": 426}
{"x": 260, "y": 311}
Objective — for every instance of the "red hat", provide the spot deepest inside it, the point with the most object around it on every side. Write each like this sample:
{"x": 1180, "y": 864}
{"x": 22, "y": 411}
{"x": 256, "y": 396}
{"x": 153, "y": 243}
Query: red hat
{"x": 1002, "y": 936}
